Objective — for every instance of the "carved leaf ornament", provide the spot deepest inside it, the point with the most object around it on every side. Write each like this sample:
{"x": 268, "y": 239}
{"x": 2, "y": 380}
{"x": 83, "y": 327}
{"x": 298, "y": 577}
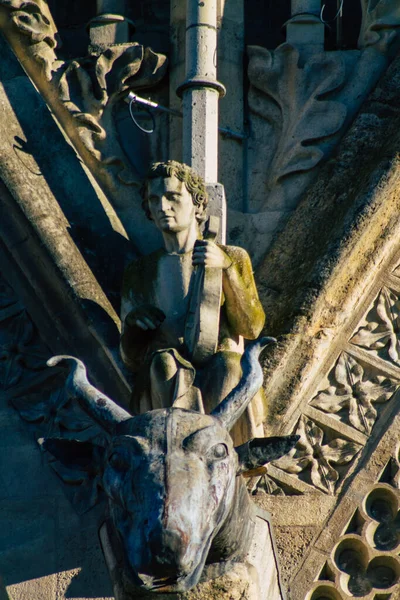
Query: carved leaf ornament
{"x": 30, "y": 21}
{"x": 88, "y": 87}
{"x": 56, "y": 414}
{"x": 353, "y": 392}
{"x": 382, "y": 330}
{"x": 303, "y": 110}
{"x": 379, "y": 23}
{"x": 18, "y": 349}
{"x": 312, "y": 454}
{"x": 40, "y": 400}
{"x": 89, "y": 83}
{"x": 85, "y": 480}
{"x": 131, "y": 67}
{"x": 294, "y": 101}
{"x": 92, "y": 85}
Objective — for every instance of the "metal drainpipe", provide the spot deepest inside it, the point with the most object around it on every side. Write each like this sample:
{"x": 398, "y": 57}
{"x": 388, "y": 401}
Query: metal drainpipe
{"x": 110, "y": 26}
{"x": 200, "y": 91}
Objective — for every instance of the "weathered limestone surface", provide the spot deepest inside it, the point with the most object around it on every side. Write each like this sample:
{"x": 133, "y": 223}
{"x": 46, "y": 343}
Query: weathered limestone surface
{"x": 47, "y": 550}
{"x": 324, "y": 287}
{"x": 297, "y": 520}
{"x": 53, "y": 221}
{"x": 302, "y": 99}
{"x": 333, "y": 247}
{"x": 84, "y": 95}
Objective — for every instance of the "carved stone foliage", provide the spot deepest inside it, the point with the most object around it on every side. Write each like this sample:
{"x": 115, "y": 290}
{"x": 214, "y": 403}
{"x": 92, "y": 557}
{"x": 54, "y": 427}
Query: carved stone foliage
{"x": 381, "y": 331}
{"x": 53, "y": 413}
{"x": 32, "y": 20}
{"x": 316, "y": 457}
{"x": 364, "y": 377}
{"x": 300, "y": 122}
{"x": 86, "y": 88}
{"x": 353, "y": 392}
{"x": 380, "y": 24}
{"x": 301, "y": 99}
{"x": 37, "y": 392}
{"x": 358, "y": 390}
{"x": 365, "y": 562}
{"x": 90, "y": 87}
{"x": 83, "y": 481}
{"x": 21, "y": 352}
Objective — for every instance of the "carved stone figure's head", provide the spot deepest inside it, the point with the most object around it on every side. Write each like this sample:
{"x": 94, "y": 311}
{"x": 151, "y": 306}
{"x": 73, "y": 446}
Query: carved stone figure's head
{"x": 174, "y": 196}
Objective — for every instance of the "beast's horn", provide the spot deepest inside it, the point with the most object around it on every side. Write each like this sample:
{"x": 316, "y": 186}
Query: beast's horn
{"x": 236, "y": 402}
{"x": 106, "y": 412}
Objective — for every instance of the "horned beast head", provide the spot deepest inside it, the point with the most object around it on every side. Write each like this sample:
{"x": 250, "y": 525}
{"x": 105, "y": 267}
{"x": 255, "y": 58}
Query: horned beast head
{"x": 170, "y": 476}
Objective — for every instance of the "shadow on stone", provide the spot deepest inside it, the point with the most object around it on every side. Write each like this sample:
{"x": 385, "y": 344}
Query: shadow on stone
{"x": 45, "y": 152}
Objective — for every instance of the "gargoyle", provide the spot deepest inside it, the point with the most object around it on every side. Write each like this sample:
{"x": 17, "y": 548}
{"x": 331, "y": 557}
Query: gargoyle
{"x": 176, "y": 500}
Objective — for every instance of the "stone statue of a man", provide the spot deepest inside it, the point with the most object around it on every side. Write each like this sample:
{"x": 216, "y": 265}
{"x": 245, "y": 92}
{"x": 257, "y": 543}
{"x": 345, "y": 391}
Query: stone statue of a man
{"x": 156, "y": 296}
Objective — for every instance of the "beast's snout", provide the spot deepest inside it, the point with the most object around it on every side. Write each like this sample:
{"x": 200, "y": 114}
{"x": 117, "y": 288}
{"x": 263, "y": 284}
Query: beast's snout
{"x": 168, "y": 550}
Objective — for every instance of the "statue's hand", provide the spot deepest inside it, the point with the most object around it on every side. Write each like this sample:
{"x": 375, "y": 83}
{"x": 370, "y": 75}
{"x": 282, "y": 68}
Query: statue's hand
{"x": 209, "y": 254}
{"x": 145, "y": 317}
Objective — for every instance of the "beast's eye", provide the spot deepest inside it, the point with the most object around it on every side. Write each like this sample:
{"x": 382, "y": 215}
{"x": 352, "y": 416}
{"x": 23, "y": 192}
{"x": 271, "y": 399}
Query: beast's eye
{"x": 119, "y": 462}
{"x": 218, "y": 452}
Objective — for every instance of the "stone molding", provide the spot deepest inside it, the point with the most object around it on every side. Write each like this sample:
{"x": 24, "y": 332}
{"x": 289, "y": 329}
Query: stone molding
{"x": 38, "y": 393}
{"x": 57, "y": 303}
{"x": 360, "y": 384}
{"x": 328, "y": 303}
{"x": 83, "y": 93}
{"x": 357, "y": 552}
{"x": 317, "y": 456}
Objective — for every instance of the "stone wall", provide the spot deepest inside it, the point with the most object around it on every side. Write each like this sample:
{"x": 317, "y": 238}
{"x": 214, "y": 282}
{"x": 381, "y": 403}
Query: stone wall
{"x": 328, "y": 380}
{"x": 47, "y": 550}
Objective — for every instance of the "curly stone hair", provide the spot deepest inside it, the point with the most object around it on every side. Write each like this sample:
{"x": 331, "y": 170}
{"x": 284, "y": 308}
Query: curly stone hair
{"x": 193, "y": 182}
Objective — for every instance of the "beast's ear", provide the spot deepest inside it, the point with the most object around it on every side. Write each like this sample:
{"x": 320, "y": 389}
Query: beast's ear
{"x": 258, "y": 452}
{"x": 80, "y": 456}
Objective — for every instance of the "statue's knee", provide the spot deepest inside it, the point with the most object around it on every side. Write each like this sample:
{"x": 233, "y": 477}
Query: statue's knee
{"x": 163, "y": 366}
{"x": 233, "y": 361}
{"x": 229, "y": 361}
{"x": 224, "y": 366}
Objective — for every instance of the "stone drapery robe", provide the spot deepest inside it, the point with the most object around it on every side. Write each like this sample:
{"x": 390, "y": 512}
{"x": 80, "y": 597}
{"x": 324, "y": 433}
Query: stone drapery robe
{"x": 164, "y": 280}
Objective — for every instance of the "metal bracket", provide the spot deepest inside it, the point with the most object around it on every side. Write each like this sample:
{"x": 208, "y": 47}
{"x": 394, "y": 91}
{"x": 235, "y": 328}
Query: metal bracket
{"x": 132, "y": 98}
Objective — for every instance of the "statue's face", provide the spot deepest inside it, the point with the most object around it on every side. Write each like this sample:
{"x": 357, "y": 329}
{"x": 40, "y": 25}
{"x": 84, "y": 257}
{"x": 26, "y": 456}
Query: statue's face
{"x": 170, "y": 204}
